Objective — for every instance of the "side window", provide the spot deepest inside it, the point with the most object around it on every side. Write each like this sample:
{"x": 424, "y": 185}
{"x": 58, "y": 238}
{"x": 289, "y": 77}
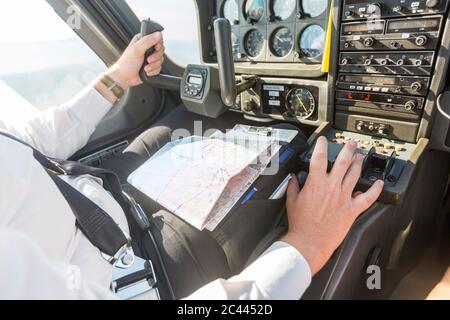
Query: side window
{"x": 44, "y": 62}
{"x": 179, "y": 19}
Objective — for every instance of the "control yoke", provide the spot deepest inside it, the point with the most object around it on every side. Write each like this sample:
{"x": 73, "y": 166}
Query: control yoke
{"x": 160, "y": 81}
{"x": 204, "y": 89}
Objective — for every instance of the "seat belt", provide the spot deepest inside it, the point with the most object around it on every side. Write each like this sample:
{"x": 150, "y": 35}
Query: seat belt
{"x": 98, "y": 226}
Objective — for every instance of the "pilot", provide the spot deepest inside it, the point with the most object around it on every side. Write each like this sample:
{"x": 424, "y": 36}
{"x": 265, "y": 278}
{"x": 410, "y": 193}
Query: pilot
{"x": 45, "y": 256}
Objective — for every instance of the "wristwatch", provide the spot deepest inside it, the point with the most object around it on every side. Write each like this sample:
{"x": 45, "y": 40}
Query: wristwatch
{"x": 113, "y": 86}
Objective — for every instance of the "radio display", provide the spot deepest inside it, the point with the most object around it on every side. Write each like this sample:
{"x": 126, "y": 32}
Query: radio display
{"x": 195, "y": 80}
{"x": 414, "y": 25}
{"x": 369, "y": 80}
{"x": 372, "y": 27}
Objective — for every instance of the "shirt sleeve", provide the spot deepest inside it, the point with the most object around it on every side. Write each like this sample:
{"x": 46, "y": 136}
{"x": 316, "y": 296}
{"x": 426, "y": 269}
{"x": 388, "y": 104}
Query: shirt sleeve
{"x": 26, "y": 273}
{"x": 281, "y": 273}
{"x": 61, "y": 131}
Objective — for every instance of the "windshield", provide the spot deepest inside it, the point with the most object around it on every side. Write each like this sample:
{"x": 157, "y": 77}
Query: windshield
{"x": 44, "y": 62}
{"x": 179, "y": 19}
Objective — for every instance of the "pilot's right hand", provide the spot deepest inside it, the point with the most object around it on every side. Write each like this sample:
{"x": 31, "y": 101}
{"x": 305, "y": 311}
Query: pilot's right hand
{"x": 321, "y": 215}
{"x": 126, "y": 70}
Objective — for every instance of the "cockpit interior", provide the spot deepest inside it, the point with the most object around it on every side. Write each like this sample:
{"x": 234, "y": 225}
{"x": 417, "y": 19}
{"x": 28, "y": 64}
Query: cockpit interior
{"x": 373, "y": 72}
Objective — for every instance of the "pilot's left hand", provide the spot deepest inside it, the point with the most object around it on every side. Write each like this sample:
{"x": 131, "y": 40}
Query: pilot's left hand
{"x": 126, "y": 70}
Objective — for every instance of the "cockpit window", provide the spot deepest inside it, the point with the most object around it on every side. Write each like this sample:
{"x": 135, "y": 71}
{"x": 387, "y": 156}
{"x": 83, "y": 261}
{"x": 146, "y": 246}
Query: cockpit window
{"x": 44, "y": 62}
{"x": 179, "y": 19}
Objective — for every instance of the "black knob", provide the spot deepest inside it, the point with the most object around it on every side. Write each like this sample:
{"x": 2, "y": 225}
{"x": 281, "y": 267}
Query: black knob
{"x": 400, "y": 62}
{"x": 410, "y": 105}
{"x": 349, "y": 14}
{"x": 421, "y": 41}
{"x": 416, "y": 86}
{"x": 418, "y": 62}
{"x": 395, "y": 44}
{"x": 369, "y": 42}
{"x": 432, "y": 3}
{"x": 344, "y": 61}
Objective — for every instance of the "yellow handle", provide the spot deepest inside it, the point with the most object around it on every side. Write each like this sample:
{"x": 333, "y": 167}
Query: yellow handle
{"x": 327, "y": 50}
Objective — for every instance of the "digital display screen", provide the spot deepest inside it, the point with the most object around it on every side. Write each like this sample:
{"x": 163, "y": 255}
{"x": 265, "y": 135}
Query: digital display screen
{"x": 195, "y": 80}
{"x": 412, "y": 25}
{"x": 369, "y": 80}
{"x": 372, "y": 27}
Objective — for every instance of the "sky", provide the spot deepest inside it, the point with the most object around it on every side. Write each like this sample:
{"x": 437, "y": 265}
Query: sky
{"x": 40, "y": 40}
{"x": 44, "y": 63}
{"x": 177, "y": 16}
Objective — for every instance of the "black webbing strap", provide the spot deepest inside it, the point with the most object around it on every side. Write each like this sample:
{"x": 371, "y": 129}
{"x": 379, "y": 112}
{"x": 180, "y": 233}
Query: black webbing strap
{"x": 100, "y": 229}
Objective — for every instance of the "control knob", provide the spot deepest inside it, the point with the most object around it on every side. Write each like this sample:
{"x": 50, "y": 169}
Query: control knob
{"x": 421, "y": 40}
{"x": 374, "y": 9}
{"x": 410, "y": 105}
{"x": 369, "y": 42}
{"x": 367, "y": 62}
{"x": 397, "y": 9}
{"x": 416, "y": 86}
{"x": 349, "y": 14}
{"x": 360, "y": 126}
{"x": 345, "y": 61}
{"x": 383, "y": 131}
{"x": 418, "y": 62}
{"x": 432, "y": 3}
{"x": 400, "y": 62}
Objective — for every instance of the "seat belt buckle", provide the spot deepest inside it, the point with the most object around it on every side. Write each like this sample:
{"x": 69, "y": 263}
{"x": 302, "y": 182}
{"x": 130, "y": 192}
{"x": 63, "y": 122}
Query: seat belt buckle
{"x": 124, "y": 258}
{"x": 137, "y": 282}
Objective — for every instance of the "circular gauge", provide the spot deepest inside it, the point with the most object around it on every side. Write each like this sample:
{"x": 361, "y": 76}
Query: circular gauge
{"x": 254, "y": 42}
{"x": 283, "y": 9}
{"x": 230, "y": 11}
{"x": 235, "y": 43}
{"x": 301, "y": 103}
{"x": 314, "y": 8}
{"x": 254, "y": 10}
{"x": 312, "y": 41}
{"x": 282, "y": 42}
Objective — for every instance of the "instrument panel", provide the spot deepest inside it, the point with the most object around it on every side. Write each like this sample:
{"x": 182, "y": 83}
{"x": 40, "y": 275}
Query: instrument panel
{"x": 276, "y": 31}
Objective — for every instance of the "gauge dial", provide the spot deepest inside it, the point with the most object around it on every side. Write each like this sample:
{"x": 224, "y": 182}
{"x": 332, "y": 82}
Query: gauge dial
{"x": 312, "y": 41}
{"x": 230, "y": 11}
{"x": 283, "y": 9}
{"x": 254, "y": 10}
{"x": 254, "y": 42}
{"x": 301, "y": 103}
{"x": 282, "y": 42}
{"x": 314, "y": 8}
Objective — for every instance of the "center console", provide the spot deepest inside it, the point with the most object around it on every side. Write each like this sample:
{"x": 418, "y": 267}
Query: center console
{"x": 386, "y": 60}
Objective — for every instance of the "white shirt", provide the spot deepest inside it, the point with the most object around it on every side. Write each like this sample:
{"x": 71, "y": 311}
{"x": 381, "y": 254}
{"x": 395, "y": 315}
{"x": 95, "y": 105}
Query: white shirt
{"x": 43, "y": 254}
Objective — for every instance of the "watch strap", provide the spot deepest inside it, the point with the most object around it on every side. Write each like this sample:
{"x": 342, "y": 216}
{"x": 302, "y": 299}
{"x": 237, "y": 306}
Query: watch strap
{"x": 113, "y": 86}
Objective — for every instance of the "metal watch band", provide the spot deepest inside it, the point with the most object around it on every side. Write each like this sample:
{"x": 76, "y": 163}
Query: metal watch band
{"x": 113, "y": 86}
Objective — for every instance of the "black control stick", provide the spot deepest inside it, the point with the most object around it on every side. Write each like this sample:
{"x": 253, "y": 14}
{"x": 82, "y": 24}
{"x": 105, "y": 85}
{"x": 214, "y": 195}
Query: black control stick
{"x": 161, "y": 81}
